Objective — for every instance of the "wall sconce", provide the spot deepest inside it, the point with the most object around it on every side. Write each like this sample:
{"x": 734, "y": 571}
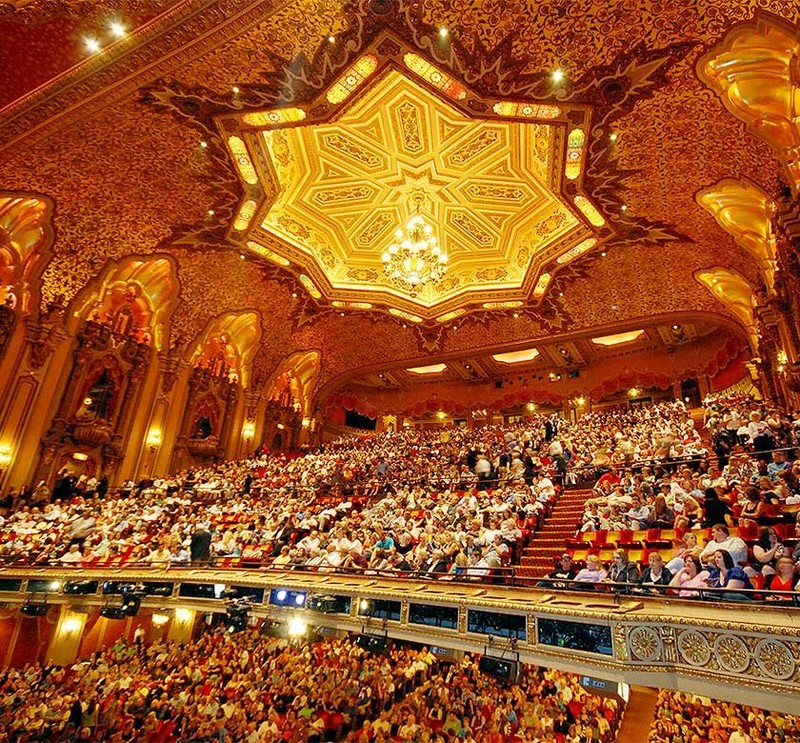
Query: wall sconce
{"x": 154, "y": 439}
{"x": 5, "y": 456}
{"x": 633, "y": 391}
{"x": 306, "y": 422}
{"x": 79, "y": 456}
{"x": 441, "y": 415}
{"x": 183, "y": 616}
{"x": 71, "y": 625}
{"x": 580, "y": 401}
{"x": 159, "y": 619}
{"x": 249, "y": 430}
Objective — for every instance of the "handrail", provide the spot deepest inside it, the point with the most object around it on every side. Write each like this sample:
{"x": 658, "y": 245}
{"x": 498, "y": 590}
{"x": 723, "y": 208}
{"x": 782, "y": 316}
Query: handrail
{"x": 504, "y": 573}
{"x": 708, "y": 593}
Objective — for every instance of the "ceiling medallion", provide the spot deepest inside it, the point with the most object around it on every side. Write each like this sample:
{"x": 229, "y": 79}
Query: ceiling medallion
{"x": 415, "y": 259}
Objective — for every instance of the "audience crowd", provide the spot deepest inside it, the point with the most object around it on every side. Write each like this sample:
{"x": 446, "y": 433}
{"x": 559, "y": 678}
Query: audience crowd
{"x": 684, "y": 718}
{"x": 251, "y": 688}
{"x": 456, "y": 502}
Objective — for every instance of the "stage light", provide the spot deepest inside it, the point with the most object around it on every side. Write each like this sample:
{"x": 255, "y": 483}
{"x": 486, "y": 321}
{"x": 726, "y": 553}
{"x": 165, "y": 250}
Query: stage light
{"x": 297, "y": 627}
{"x": 80, "y": 587}
{"x": 112, "y": 612}
{"x": 32, "y": 609}
{"x": 284, "y": 597}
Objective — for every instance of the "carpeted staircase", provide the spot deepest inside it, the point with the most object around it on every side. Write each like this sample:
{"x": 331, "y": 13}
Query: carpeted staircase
{"x": 549, "y": 542}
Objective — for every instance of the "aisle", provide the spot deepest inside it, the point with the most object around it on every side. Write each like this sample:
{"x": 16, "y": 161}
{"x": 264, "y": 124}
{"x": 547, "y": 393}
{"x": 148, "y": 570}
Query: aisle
{"x": 639, "y": 715}
{"x": 549, "y": 542}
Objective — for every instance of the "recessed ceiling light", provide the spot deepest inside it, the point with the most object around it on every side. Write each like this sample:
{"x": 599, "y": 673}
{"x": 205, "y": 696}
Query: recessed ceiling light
{"x": 210, "y": 212}
{"x": 443, "y": 32}
{"x": 603, "y": 254}
{"x": 613, "y": 136}
{"x": 624, "y": 208}
{"x": 203, "y": 143}
{"x": 332, "y": 39}
{"x": 93, "y": 45}
{"x": 118, "y": 29}
{"x": 241, "y": 256}
{"x": 235, "y": 89}
{"x": 557, "y": 76}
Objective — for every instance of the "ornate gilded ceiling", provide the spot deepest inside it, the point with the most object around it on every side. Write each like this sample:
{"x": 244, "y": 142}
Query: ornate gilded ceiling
{"x": 488, "y": 187}
{"x": 115, "y": 144}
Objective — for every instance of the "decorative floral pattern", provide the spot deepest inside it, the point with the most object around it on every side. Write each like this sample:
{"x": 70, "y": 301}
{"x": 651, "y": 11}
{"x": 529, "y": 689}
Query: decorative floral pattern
{"x": 645, "y": 643}
{"x": 694, "y": 648}
{"x": 732, "y": 653}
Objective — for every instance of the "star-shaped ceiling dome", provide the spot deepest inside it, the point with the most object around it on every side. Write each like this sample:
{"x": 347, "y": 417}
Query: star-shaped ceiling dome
{"x": 402, "y": 142}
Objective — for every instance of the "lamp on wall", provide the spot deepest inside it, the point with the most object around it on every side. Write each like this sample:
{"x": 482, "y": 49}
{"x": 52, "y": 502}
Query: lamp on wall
{"x": 154, "y": 439}
{"x": 5, "y": 457}
{"x": 249, "y": 430}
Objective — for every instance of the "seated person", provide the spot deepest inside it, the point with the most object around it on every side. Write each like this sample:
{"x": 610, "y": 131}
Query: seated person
{"x": 564, "y": 571}
{"x": 691, "y": 575}
{"x": 725, "y": 573}
{"x": 622, "y": 570}
{"x": 782, "y": 579}
{"x": 767, "y": 552}
{"x": 594, "y": 572}
{"x": 688, "y": 548}
{"x": 721, "y": 539}
{"x": 655, "y": 574}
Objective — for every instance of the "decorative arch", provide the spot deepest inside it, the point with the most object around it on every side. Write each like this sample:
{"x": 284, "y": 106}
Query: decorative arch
{"x": 135, "y": 295}
{"x": 296, "y": 375}
{"x": 736, "y": 293}
{"x": 227, "y": 345}
{"x": 744, "y": 211}
{"x": 26, "y": 240}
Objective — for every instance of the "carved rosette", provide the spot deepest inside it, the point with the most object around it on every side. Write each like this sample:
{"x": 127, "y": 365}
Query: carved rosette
{"x": 694, "y": 648}
{"x": 731, "y": 653}
{"x": 645, "y": 644}
{"x": 774, "y": 659}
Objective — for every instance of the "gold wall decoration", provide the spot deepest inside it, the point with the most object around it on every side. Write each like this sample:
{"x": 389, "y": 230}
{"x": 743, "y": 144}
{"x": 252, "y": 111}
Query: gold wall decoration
{"x": 26, "y": 235}
{"x": 743, "y": 210}
{"x": 734, "y": 291}
{"x": 234, "y": 337}
{"x": 754, "y": 72}
{"x": 152, "y": 278}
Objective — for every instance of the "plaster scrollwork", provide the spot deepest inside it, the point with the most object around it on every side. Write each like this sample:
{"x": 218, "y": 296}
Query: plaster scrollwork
{"x": 732, "y": 654}
{"x": 620, "y": 643}
{"x": 694, "y": 648}
{"x": 645, "y": 643}
{"x": 774, "y": 659}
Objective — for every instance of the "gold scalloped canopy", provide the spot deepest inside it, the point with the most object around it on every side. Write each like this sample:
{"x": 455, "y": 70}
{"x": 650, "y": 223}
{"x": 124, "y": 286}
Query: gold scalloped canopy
{"x": 488, "y": 187}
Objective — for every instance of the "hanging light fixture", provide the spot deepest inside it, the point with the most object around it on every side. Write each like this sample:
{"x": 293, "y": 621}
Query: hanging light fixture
{"x": 415, "y": 258}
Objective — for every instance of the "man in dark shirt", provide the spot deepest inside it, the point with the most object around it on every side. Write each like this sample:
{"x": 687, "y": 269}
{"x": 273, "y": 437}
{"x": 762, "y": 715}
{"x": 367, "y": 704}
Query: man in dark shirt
{"x": 564, "y": 571}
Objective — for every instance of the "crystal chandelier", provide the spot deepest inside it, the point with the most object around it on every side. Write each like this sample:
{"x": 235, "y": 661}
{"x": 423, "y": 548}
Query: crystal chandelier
{"x": 415, "y": 258}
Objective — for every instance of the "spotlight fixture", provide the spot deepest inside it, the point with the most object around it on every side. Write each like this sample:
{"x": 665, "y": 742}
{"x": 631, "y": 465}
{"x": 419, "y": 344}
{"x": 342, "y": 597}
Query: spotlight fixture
{"x": 93, "y": 45}
{"x": 237, "y": 612}
{"x": 283, "y": 597}
{"x": 118, "y": 30}
{"x": 33, "y": 609}
{"x": 80, "y": 587}
{"x": 112, "y": 612}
